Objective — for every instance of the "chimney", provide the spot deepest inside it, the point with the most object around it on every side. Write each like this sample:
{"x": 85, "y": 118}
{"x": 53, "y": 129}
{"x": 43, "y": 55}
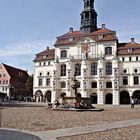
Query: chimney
{"x": 71, "y": 30}
{"x": 47, "y": 47}
{"x": 103, "y": 25}
{"x": 132, "y": 40}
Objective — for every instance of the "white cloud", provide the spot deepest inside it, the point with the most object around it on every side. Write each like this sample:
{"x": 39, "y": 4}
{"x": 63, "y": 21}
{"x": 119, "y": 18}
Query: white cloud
{"x": 21, "y": 55}
{"x": 26, "y": 48}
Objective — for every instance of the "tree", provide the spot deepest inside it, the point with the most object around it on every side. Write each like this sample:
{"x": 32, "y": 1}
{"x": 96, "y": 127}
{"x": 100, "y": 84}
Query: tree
{"x": 29, "y": 85}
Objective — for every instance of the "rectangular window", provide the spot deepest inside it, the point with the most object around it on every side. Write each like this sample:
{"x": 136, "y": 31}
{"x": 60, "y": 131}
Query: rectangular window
{"x": 40, "y": 82}
{"x": 63, "y": 70}
{"x": 3, "y": 82}
{"x": 78, "y": 69}
{"x": 125, "y": 80}
{"x": 123, "y": 59}
{"x": 136, "y": 80}
{"x": 109, "y": 85}
{"x": 47, "y": 81}
{"x": 108, "y": 68}
{"x": 129, "y": 58}
{"x": 137, "y": 58}
{"x": 6, "y": 81}
{"x": 94, "y": 69}
{"x": 108, "y": 50}
{"x": 94, "y": 85}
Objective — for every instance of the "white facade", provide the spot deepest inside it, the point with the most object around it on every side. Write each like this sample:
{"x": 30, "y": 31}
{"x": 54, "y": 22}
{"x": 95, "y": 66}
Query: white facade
{"x": 108, "y": 72}
{"x": 121, "y": 67}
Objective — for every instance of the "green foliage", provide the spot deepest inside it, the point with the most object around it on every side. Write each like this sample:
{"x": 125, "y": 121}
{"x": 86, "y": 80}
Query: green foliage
{"x": 29, "y": 84}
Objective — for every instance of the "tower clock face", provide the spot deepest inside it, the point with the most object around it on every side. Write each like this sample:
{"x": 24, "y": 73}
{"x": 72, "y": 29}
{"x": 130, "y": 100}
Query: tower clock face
{"x": 85, "y": 48}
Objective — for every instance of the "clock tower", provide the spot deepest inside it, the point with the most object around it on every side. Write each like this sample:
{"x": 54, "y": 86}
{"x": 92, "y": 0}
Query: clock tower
{"x": 88, "y": 17}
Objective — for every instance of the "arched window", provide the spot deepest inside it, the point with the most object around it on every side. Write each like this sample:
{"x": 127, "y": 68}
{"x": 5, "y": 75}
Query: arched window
{"x": 63, "y": 84}
{"x": 94, "y": 85}
{"x": 87, "y": 3}
{"x": 86, "y": 15}
{"x": 109, "y": 68}
{"x": 78, "y": 69}
{"x": 63, "y": 54}
{"x": 108, "y": 84}
{"x": 108, "y": 50}
{"x": 63, "y": 70}
{"x": 94, "y": 69}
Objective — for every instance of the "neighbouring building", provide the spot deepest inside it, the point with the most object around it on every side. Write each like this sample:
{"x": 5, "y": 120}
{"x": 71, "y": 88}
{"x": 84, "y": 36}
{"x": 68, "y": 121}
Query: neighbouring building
{"x": 108, "y": 71}
{"x": 12, "y": 82}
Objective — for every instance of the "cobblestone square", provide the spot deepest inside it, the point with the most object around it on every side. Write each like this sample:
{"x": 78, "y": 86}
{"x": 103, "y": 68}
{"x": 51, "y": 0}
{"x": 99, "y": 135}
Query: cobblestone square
{"x": 40, "y": 118}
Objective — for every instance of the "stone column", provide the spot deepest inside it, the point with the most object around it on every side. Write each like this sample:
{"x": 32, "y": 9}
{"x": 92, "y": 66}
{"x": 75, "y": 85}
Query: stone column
{"x": 37, "y": 98}
{"x": 100, "y": 97}
{"x": 53, "y": 97}
{"x": 100, "y": 93}
{"x": 116, "y": 97}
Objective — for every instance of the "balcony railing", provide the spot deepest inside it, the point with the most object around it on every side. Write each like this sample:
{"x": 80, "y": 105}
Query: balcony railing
{"x": 82, "y": 56}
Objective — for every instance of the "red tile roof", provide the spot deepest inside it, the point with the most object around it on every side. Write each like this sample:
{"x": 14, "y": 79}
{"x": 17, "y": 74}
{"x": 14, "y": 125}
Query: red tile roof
{"x": 73, "y": 33}
{"x": 102, "y": 30}
{"x": 76, "y": 36}
{"x": 16, "y": 73}
{"x": 45, "y": 55}
{"x": 123, "y": 48}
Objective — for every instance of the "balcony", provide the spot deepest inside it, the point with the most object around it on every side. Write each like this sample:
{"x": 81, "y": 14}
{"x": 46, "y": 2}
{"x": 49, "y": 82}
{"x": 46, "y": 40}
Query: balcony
{"x": 82, "y": 56}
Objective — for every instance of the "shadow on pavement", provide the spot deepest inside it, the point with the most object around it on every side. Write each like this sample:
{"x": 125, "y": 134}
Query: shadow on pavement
{"x": 21, "y": 104}
{"x": 14, "y": 135}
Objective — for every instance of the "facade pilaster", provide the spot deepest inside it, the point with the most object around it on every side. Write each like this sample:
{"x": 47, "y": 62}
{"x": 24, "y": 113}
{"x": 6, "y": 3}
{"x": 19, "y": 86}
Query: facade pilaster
{"x": 84, "y": 78}
{"x": 100, "y": 97}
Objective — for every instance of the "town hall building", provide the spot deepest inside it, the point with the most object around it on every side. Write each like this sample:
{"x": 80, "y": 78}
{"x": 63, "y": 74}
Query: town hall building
{"x": 108, "y": 71}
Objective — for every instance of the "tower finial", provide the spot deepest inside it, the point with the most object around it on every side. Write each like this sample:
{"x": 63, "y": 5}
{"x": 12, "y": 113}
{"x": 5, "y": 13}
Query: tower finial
{"x": 88, "y": 17}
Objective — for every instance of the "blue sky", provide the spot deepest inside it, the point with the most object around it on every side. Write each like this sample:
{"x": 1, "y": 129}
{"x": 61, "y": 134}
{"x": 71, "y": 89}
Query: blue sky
{"x": 27, "y": 27}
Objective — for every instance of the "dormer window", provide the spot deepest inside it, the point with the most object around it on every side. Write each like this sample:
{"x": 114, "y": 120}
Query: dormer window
{"x": 101, "y": 36}
{"x": 108, "y": 50}
{"x": 63, "y": 54}
{"x": 129, "y": 50}
{"x": 71, "y": 39}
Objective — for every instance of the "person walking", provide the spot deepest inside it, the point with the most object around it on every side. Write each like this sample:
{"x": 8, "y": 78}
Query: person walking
{"x": 132, "y": 103}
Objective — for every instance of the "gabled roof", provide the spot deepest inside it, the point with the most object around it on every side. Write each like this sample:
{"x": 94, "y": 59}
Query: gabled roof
{"x": 72, "y": 37}
{"x": 130, "y": 48}
{"x": 16, "y": 73}
{"x": 45, "y": 55}
{"x": 128, "y": 45}
{"x": 102, "y": 30}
